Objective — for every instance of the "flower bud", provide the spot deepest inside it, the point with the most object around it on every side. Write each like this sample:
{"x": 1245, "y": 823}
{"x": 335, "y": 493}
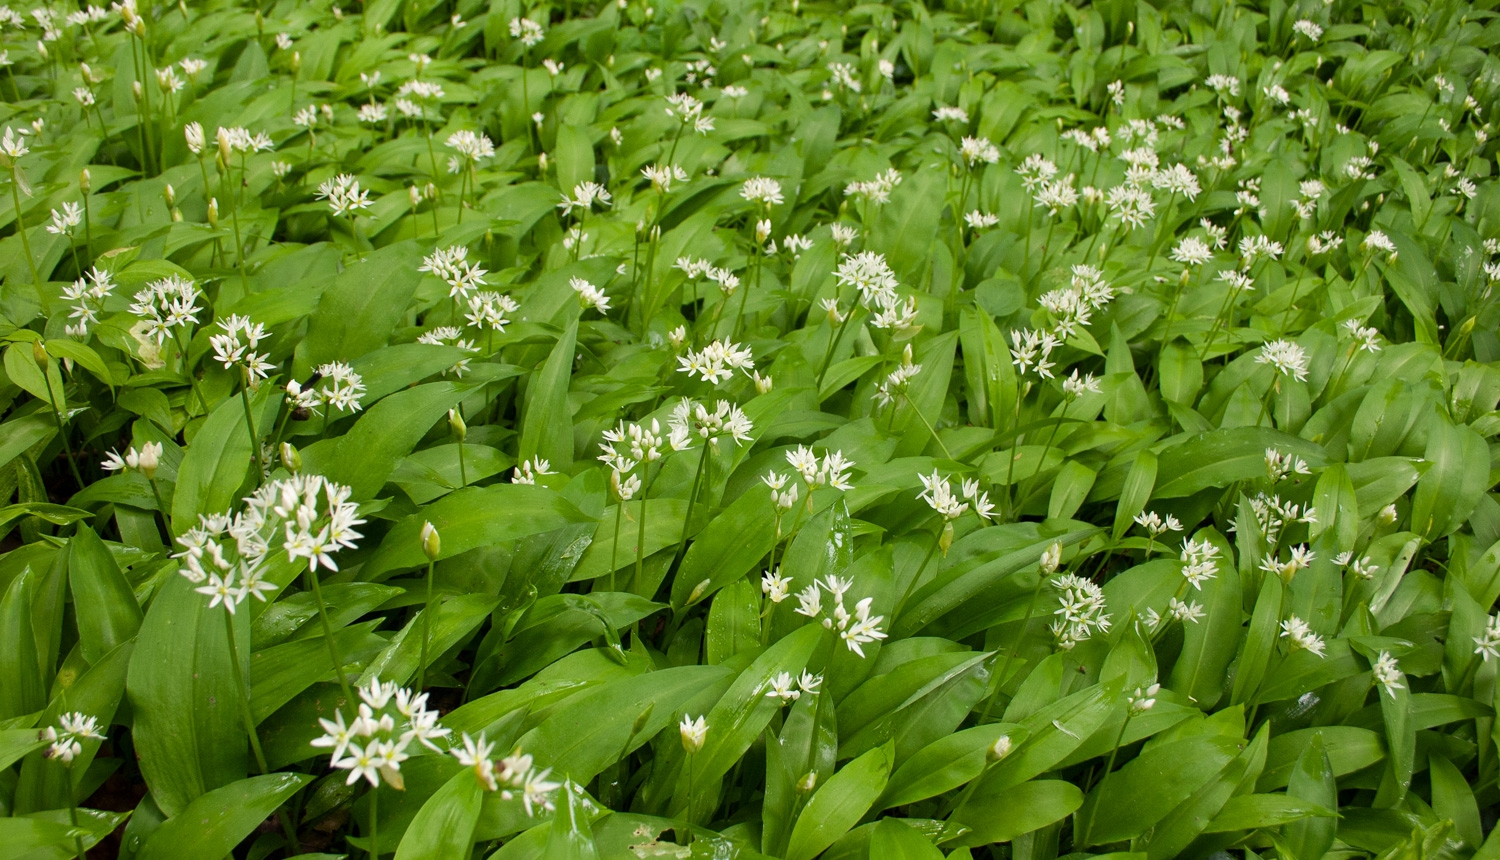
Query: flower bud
{"x": 457, "y": 425}
{"x": 149, "y": 460}
{"x": 170, "y": 195}
{"x": 432, "y": 544}
{"x": 296, "y": 62}
{"x": 1051, "y": 559}
{"x": 808, "y": 782}
{"x": 946, "y": 539}
{"x": 213, "y": 212}
{"x": 85, "y": 181}
{"x": 415, "y": 196}
{"x": 226, "y": 147}
{"x": 998, "y": 750}
{"x": 1388, "y": 514}
{"x": 137, "y": 92}
{"x": 291, "y": 458}
{"x": 642, "y": 720}
{"x": 698, "y": 590}
{"x": 39, "y": 352}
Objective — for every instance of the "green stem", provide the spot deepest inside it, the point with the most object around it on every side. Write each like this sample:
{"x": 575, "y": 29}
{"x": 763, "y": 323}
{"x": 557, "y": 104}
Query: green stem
{"x": 375, "y": 823}
{"x": 333, "y": 649}
{"x": 15, "y": 193}
{"x": 244, "y": 691}
{"x": 61, "y": 431}
{"x": 260, "y": 460}
{"x": 1088, "y": 821}
{"x": 78, "y": 849}
{"x": 1015, "y": 648}
{"x": 927, "y": 424}
{"x": 911, "y": 586}
{"x": 427, "y": 611}
{"x": 833, "y": 344}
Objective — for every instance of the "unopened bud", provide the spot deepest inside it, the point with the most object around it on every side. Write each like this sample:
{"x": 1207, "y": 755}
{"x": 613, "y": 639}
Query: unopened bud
{"x": 698, "y": 590}
{"x": 149, "y": 460}
{"x": 1388, "y": 514}
{"x": 213, "y": 212}
{"x": 226, "y": 147}
{"x": 136, "y": 91}
{"x": 170, "y": 195}
{"x": 1051, "y": 559}
{"x": 39, "y": 352}
{"x": 296, "y": 62}
{"x": 415, "y": 196}
{"x": 808, "y": 782}
{"x": 291, "y": 458}
{"x": 176, "y": 215}
{"x": 998, "y": 750}
{"x": 945, "y": 540}
{"x": 642, "y": 720}
{"x": 85, "y": 181}
{"x": 432, "y": 545}
{"x": 457, "y": 425}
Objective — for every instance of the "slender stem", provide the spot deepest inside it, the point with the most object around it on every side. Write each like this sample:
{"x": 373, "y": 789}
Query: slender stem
{"x": 1088, "y": 822}
{"x": 463, "y": 469}
{"x": 375, "y": 823}
{"x": 333, "y": 649}
{"x": 427, "y": 612}
{"x": 1056, "y": 425}
{"x": 1015, "y": 649}
{"x": 927, "y": 424}
{"x": 834, "y": 344}
{"x": 260, "y": 756}
{"x": 260, "y": 460}
{"x": 614, "y": 552}
{"x": 161, "y": 506}
{"x": 15, "y": 193}
{"x": 911, "y": 586}
{"x": 78, "y": 849}
{"x": 687, "y": 523}
{"x": 179, "y": 334}
{"x": 62, "y": 433}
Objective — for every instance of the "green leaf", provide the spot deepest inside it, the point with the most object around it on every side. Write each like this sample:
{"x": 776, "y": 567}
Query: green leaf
{"x": 469, "y": 519}
{"x": 188, "y": 733}
{"x": 730, "y": 546}
{"x": 23, "y": 690}
{"x": 733, "y": 621}
{"x": 444, "y": 827}
{"x": 547, "y": 422}
{"x": 383, "y": 436}
{"x": 1210, "y": 645}
{"x": 103, "y": 600}
{"x": 360, "y": 308}
{"x": 1011, "y": 812}
{"x": 1136, "y": 492}
{"x": 1256, "y": 811}
{"x": 1312, "y": 782}
{"x": 214, "y": 466}
{"x": 945, "y": 764}
{"x": 213, "y": 824}
{"x": 839, "y": 803}
{"x": 893, "y": 839}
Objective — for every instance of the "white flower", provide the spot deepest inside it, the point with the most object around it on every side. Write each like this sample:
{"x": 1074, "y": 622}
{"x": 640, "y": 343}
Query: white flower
{"x": 1307, "y": 28}
{"x": 66, "y": 737}
{"x": 529, "y": 470}
{"x": 344, "y": 196}
{"x": 1080, "y": 612}
{"x": 783, "y": 687}
{"x": 236, "y": 346}
{"x": 1488, "y": 642}
{"x": 1388, "y": 673}
{"x": 528, "y": 31}
{"x": 13, "y": 146}
{"x": 763, "y": 191}
{"x": 693, "y": 732}
{"x": 1142, "y": 700}
{"x": 864, "y": 630}
{"x": 1286, "y": 357}
{"x": 775, "y": 586}
{"x": 166, "y": 305}
{"x": 1192, "y": 251}
{"x": 1199, "y": 562}
{"x": 471, "y": 146}
{"x": 716, "y": 362}
{"x": 947, "y": 113}
{"x": 589, "y": 295}
{"x": 939, "y": 496}
{"x": 978, "y": 220}
{"x": 1300, "y": 636}
{"x": 585, "y": 195}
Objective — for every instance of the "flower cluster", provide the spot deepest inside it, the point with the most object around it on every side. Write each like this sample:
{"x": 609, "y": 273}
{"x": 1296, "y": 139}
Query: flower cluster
{"x": 938, "y": 494}
{"x": 1199, "y": 562}
{"x": 716, "y": 362}
{"x": 305, "y": 516}
{"x": 88, "y": 295}
{"x": 66, "y": 738}
{"x": 787, "y": 689}
{"x": 167, "y": 305}
{"x": 342, "y": 389}
{"x": 511, "y": 776}
{"x": 235, "y": 346}
{"x": 345, "y": 197}
{"x": 855, "y": 629}
{"x": 1080, "y": 613}
{"x": 1299, "y": 636}
{"x": 453, "y": 267}
{"x": 373, "y": 745}
{"x": 144, "y": 461}
{"x": 1280, "y": 466}
{"x": 1299, "y": 558}
{"x": 692, "y": 419}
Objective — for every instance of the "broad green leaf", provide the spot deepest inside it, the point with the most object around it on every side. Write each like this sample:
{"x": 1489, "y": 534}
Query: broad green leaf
{"x": 214, "y": 823}
{"x": 103, "y": 600}
{"x": 1012, "y": 812}
{"x": 444, "y": 827}
{"x": 839, "y": 803}
{"x": 383, "y": 436}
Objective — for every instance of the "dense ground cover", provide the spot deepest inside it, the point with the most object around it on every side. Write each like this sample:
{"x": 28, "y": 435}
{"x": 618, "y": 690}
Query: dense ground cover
{"x": 655, "y": 429}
